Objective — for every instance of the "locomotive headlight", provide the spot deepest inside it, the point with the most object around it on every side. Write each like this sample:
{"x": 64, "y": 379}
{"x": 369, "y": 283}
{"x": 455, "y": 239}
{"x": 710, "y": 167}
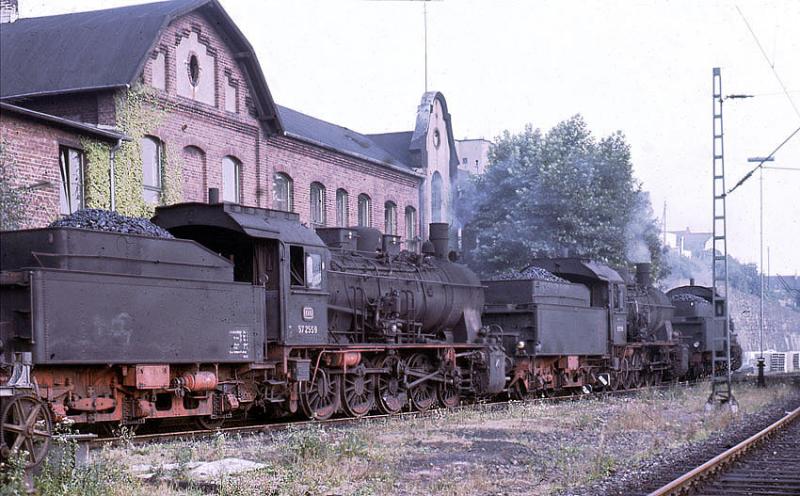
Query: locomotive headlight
{"x": 696, "y": 344}
{"x": 394, "y": 328}
{"x": 521, "y": 345}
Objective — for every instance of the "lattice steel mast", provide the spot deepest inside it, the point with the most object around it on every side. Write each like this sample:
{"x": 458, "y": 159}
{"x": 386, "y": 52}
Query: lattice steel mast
{"x": 721, "y": 392}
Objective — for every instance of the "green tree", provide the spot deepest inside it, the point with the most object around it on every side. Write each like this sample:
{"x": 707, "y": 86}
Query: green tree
{"x": 556, "y": 193}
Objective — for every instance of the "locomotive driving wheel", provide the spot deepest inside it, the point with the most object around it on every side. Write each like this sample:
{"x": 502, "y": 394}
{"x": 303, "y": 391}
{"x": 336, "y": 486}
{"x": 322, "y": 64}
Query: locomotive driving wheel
{"x": 389, "y": 388}
{"x": 25, "y": 425}
{"x": 319, "y": 398}
{"x": 449, "y": 393}
{"x": 358, "y": 390}
{"x": 423, "y": 394}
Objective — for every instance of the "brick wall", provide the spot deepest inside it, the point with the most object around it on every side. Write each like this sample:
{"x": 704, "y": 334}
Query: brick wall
{"x": 32, "y": 146}
{"x": 306, "y": 163}
{"x": 201, "y": 132}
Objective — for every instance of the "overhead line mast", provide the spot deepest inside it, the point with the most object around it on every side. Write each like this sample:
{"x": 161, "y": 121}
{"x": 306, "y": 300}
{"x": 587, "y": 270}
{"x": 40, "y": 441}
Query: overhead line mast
{"x": 721, "y": 391}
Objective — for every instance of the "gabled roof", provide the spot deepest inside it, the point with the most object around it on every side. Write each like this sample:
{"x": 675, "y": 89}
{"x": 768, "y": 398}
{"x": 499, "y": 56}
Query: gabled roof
{"x": 106, "y": 49}
{"x": 396, "y": 143}
{"x": 341, "y": 139}
{"x": 410, "y": 146}
{"x": 80, "y": 127}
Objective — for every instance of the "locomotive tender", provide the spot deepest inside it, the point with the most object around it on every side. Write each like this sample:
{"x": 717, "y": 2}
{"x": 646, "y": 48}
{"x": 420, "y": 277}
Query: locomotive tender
{"x": 248, "y": 310}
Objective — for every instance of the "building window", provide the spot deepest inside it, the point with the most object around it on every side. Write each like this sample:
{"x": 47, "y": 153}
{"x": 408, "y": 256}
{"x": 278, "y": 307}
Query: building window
{"x": 437, "y": 138}
{"x": 317, "y": 204}
{"x": 231, "y": 180}
{"x": 282, "y": 193}
{"x": 390, "y": 218}
{"x": 342, "y": 208}
{"x": 411, "y": 228}
{"x": 194, "y": 70}
{"x": 436, "y": 197}
{"x": 231, "y": 96}
{"x": 364, "y": 210}
{"x": 71, "y": 190}
{"x": 464, "y": 161}
{"x": 152, "y": 163}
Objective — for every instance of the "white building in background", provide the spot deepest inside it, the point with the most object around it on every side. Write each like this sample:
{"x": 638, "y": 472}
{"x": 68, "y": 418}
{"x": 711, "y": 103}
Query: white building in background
{"x": 688, "y": 243}
{"x": 473, "y": 155}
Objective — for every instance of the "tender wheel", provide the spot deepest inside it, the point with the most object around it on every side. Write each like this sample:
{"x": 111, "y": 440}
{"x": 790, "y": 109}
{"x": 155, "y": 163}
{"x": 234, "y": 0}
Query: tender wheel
{"x": 389, "y": 388}
{"x": 358, "y": 390}
{"x": 319, "y": 398}
{"x": 424, "y": 394}
{"x": 208, "y": 423}
{"x": 449, "y": 395}
{"x": 26, "y": 426}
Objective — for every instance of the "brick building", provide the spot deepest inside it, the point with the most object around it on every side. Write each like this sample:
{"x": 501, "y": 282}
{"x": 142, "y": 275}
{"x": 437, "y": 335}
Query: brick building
{"x": 215, "y": 126}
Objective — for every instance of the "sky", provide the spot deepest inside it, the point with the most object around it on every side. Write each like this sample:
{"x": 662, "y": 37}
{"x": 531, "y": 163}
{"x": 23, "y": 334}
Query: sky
{"x": 641, "y": 67}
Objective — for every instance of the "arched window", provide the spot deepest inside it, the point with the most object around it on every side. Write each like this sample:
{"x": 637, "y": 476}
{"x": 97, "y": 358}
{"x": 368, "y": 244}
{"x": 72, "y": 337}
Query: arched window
{"x": 364, "y": 210}
{"x": 411, "y": 228}
{"x": 152, "y": 155}
{"x": 436, "y": 197}
{"x": 342, "y": 208}
{"x": 282, "y": 192}
{"x": 231, "y": 180}
{"x": 317, "y": 204}
{"x": 390, "y": 217}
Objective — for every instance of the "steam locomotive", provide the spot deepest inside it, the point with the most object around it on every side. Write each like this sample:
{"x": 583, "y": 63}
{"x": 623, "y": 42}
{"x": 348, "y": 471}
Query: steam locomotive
{"x": 247, "y": 310}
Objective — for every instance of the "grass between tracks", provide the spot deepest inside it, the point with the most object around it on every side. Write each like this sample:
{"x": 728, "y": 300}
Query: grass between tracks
{"x": 532, "y": 448}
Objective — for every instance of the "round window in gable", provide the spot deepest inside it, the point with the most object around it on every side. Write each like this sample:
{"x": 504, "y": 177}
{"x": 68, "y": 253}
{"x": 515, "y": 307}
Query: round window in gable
{"x": 194, "y": 70}
{"x": 437, "y": 140}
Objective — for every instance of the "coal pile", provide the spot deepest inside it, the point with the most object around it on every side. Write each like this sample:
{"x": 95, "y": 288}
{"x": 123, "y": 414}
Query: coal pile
{"x": 688, "y": 298}
{"x": 528, "y": 273}
{"x": 105, "y": 220}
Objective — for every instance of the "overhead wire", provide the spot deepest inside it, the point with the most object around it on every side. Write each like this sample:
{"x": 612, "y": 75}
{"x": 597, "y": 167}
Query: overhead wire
{"x": 747, "y": 176}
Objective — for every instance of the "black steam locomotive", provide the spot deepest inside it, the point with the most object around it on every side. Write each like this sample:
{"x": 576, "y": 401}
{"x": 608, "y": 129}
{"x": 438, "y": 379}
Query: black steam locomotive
{"x": 246, "y": 309}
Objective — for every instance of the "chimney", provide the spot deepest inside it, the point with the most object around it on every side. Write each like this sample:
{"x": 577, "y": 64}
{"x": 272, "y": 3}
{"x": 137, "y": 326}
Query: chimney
{"x": 9, "y": 11}
{"x": 440, "y": 237}
{"x": 643, "y": 275}
{"x": 213, "y": 196}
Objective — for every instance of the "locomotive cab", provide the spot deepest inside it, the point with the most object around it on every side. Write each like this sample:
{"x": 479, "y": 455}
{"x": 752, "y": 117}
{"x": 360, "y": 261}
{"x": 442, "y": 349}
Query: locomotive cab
{"x": 268, "y": 248}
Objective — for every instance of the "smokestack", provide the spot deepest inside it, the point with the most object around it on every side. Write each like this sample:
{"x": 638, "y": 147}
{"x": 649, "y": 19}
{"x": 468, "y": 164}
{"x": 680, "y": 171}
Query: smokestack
{"x": 643, "y": 274}
{"x": 9, "y": 11}
{"x": 691, "y": 281}
{"x": 440, "y": 237}
{"x": 213, "y": 196}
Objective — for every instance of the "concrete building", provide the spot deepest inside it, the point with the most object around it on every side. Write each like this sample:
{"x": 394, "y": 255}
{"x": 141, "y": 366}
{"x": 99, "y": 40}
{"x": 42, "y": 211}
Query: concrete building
{"x": 473, "y": 155}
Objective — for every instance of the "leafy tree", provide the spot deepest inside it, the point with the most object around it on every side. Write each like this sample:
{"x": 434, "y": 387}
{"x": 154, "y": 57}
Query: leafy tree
{"x": 557, "y": 193}
{"x": 13, "y": 200}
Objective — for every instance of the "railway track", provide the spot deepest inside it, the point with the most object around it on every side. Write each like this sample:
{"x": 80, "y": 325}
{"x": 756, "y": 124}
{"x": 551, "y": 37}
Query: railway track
{"x": 141, "y": 438}
{"x": 766, "y": 463}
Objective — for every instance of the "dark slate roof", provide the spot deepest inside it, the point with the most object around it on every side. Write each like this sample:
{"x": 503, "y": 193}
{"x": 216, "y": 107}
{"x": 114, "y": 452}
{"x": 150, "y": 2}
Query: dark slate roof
{"x": 87, "y": 51}
{"x": 398, "y": 144}
{"x": 341, "y": 139}
{"x": 80, "y": 127}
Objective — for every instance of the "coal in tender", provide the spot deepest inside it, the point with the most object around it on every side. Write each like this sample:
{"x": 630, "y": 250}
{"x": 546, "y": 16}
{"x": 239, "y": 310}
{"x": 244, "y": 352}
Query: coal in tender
{"x": 688, "y": 297}
{"x": 529, "y": 273}
{"x": 105, "y": 220}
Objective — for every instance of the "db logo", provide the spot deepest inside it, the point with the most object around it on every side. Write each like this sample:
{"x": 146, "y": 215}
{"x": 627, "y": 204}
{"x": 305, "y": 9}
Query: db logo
{"x": 308, "y": 313}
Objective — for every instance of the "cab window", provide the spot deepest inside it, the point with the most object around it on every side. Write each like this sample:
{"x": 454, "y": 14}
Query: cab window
{"x": 314, "y": 270}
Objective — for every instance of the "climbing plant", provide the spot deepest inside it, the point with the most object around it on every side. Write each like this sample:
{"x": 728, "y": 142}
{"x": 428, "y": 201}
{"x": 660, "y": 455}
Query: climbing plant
{"x": 13, "y": 199}
{"x": 139, "y": 112}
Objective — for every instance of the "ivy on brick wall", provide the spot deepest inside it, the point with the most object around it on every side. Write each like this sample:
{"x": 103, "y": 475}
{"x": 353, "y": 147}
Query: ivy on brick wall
{"x": 13, "y": 199}
{"x": 139, "y": 112}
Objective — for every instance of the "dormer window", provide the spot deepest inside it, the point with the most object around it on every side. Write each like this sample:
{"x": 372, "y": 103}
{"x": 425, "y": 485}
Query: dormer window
{"x": 194, "y": 70}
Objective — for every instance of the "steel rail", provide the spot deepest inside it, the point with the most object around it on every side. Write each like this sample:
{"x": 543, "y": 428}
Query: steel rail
{"x": 685, "y": 482}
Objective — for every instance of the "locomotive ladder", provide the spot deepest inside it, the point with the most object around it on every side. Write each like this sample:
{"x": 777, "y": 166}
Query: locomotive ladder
{"x": 721, "y": 392}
